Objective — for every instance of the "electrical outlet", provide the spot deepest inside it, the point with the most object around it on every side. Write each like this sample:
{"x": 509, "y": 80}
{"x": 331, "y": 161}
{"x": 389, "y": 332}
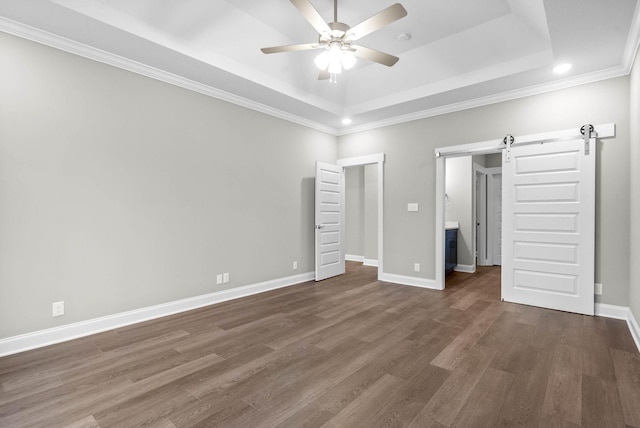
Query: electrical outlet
{"x": 225, "y": 277}
{"x": 295, "y": 265}
{"x": 416, "y": 267}
{"x": 219, "y": 279}
{"x": 598, "y": 289}
{"x": 58, "y": 309}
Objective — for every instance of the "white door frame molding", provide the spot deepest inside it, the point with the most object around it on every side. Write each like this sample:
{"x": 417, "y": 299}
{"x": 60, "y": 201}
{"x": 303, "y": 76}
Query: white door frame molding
{"x": 369, "y": 160}
{"x": 487, "y": 147}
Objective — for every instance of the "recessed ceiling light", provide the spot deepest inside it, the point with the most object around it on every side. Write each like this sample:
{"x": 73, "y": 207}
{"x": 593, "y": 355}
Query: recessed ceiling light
{"x": 346, "y": 121}
{"x": 562, "y": 68}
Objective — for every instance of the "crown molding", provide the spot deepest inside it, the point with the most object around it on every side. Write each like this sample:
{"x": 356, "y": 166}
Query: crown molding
{"x": 493, "y": 99}
{"x": 45, "y": 38}
{"x": 633, "y": 41}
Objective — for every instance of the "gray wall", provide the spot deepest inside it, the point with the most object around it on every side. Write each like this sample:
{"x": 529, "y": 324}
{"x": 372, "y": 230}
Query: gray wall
{"x": 354, "y": 211}
{"x": 410, "y": 171}
{"x": 459, "y": 205}
{"x": 119, "y": 192}
{"x": 634, "y": 290}
{"x": 493, "y": 160}
{"x": 371, "y": 212}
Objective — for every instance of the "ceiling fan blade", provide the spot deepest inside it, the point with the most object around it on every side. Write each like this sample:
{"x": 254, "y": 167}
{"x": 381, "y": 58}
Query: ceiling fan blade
{"x": 291, "y": 48}
{"x": 311, "y": 14}
{"x": 377, "y": 21}
{"x": 375, "y": 56}
{"x": 323, "y": 75}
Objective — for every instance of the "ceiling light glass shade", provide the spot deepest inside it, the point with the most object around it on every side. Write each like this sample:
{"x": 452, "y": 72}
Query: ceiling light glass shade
{"x": 335, "y": 59}
{"x": 348, "y": 60}
{"x": 322, "y": 60}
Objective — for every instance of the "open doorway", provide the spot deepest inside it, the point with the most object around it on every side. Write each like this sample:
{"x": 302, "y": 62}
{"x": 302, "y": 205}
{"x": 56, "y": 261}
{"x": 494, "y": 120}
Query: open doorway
{"x": 472, "y": 205}
{"x": 361, "y": 214}
{"x": 487, "y": 200}
{"x": 364, "y": 196}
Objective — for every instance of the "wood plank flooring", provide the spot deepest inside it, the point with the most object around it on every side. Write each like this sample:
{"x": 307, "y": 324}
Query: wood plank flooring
{"x": 346, "y": 352}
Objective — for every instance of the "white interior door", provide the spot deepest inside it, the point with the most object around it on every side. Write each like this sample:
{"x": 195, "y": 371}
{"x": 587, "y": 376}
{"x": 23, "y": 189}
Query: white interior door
{"x": 329, "y": 211}
{"x": 548, "y": 225}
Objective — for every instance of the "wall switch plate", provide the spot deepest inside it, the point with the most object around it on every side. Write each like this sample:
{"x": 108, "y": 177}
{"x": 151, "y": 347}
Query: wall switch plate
{"x": 416, "y": 267}
{"x": 597, "y": 289}
{"x": 295, "y": 265}
{"x": 225, "y": 277}
{"x": 58, "y": 309}
{"x": 412, "y": 207}
{"x": 219, "y": 279}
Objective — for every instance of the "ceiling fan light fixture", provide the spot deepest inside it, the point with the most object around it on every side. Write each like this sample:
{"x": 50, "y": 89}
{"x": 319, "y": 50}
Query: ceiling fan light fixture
{"x": 322, "y": 60}
{"x": 348, "y": 60}
{"x": 335, "y": 58}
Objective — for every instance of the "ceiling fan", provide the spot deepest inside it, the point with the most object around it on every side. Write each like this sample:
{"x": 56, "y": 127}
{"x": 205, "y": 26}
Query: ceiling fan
{"x": 336, "y": 39}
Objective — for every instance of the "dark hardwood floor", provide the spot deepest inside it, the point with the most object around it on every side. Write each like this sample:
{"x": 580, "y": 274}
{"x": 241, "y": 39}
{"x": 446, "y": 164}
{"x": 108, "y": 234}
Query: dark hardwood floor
{"x": 346, "y": 352}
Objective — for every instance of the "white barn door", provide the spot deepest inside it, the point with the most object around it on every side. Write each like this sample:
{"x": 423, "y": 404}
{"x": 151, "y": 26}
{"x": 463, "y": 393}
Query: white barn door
{"x": 548, "y": 225}
{"x": 329, "y": 214}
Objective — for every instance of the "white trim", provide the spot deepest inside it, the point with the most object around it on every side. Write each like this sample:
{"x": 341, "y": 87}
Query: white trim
{"x": 620, "y": 313}
{"x": 633, "y": 41}
{"x": 465, "y": 268}
{"x": 361, "y": 160}
{"x": 353, "y": 258}
{"x": 607, "y": 130}
{"x": 377, "y": 158}
{"x": 49, "y": 39}
{"x": 52, "y": 40}
{"x": 611, "y": 311}
{"x": 370, "y": 262}
{"x": 38, "y": 339}
{"x": 634, "y": 328}
{"x": 441, "y": 172}
{"x": 480, "y": 221}
{"x": 584, "y": 79}
{"x": 409, "y": 280}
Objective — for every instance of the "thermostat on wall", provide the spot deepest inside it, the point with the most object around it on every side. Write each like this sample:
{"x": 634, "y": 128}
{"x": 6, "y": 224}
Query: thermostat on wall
{"x": 412, "y": 207}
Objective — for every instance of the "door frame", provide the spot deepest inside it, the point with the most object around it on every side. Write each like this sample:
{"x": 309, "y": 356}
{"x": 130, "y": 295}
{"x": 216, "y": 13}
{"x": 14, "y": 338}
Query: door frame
{"x": 487, "y": 147}
{"x": 369, "y": 160}
{"x": 480, "y": 220}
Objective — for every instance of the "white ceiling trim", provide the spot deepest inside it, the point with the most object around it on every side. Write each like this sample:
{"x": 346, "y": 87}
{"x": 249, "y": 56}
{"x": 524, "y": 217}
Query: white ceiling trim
{"x": 633, "y": 41}
{"x": 89, "y": 52}
{"x": 80, "y": 49}
{"x": 493, "y": 99}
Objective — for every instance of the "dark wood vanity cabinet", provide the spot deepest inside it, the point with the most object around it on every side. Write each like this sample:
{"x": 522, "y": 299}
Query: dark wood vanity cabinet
{"x": 450, "y": 250}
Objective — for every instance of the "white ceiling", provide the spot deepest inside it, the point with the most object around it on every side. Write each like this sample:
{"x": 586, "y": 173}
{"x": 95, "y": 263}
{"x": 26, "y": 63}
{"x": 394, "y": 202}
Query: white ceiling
{"x": 462, "y": 53}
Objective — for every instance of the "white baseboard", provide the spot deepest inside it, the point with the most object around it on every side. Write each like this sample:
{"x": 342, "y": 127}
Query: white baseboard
{"x": 621, "y": 313}
{"x": 353, "y": 258}
{"x": 409, "y": 280}
{"x": 370, "y": 262}
{"x": 634, "y": 328}
{"x": 38, "y": 339}
{"x": 465, "y": 268}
